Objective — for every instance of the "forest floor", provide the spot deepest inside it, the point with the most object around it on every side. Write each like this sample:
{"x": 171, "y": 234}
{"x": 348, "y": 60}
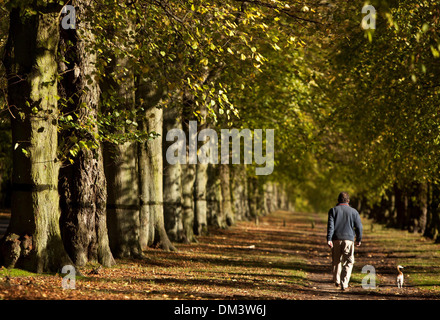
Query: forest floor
{"x": 285, "y": 256}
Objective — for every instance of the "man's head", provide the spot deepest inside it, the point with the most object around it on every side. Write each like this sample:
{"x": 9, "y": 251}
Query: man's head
{"x": 343, "y": 197}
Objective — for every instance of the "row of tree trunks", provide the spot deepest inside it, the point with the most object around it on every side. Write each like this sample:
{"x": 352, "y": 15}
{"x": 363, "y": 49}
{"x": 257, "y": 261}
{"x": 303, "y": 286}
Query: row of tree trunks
{"x": 111, "y": 201}
{"x": 414, "y": 207}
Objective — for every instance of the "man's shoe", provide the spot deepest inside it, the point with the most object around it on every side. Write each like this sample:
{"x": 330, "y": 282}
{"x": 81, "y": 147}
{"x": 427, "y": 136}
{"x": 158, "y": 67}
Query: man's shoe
{"x": 344, "y": 289}
{"x": 337, "y": 285}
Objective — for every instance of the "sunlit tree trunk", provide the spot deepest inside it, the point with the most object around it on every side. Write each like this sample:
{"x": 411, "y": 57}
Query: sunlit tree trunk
{"x": 33, "y": 239}
{"x": 172, "y": 180}
{"x": 83, "y": 188}
{"x": 200, "y": 192}
{"x": 188, "y": 169}
{"x": 151, "y": 183}
{"x": 201, "y": 182}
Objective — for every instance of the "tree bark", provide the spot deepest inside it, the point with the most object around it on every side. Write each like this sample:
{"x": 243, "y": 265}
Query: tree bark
{"x": 253, "y": 197}
{"x": 418, "y": 208}
{"x": 151, "y": 166}
{"x": 151, "y": 182}
{"x": 215, "y": 215}
{"x": 201, "y": 182}
{"x": 123, "y": 201}
{"x": 239, "y": 192}
{"x": 226, "y": 194}
{"x": 200, "y": 186}
{"x": 172, "y": 180}
{"x": 188, "y": 171}
{"x": 83, "y": 193}
{"x": 270, "y": 196}
{"x": 120, "y": 160}
{"x": 401, "y": 207}
{"x": 188, "y": 177}
{"x": 433, "y": 225}
{"x": 33, "y": 240}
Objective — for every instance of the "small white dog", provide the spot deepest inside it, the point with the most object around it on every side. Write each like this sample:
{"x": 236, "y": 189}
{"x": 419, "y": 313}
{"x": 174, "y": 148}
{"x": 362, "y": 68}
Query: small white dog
{"x": 399, "y": 277}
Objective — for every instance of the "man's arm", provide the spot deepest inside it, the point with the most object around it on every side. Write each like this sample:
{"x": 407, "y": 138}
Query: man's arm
{"x": 330, "y": 228}
{"x": 358, "y": 228}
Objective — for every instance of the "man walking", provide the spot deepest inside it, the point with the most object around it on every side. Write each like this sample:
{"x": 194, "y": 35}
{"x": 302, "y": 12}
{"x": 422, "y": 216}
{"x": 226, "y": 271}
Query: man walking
{"x": 344, "y": 224}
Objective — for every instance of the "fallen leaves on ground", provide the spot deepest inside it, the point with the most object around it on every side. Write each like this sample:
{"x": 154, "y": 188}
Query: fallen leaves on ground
{"x": 284, "y": 257}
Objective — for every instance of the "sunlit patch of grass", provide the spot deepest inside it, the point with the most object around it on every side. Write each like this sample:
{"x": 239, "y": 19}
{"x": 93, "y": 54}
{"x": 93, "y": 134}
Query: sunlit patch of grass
{"x": 13, "y": 272}
{"x": 419, "y": 256}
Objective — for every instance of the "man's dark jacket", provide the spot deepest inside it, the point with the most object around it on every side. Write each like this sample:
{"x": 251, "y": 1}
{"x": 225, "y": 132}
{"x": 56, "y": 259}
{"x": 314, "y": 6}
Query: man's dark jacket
{"x": 344, "y": 223}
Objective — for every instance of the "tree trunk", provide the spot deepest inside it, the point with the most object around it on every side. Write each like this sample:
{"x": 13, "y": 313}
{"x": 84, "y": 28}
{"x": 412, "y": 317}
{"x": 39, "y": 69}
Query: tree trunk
{"x": 82, "y": 185}
{"x": 120, "y": 160}
{"x": 123, "y": 201}
{"x": 188, "y": 169}
{"x": 418, "y": 207}
{"x": 401, "y": 207}
{"x": 200, "y": 186}
{"x": 201, "y": 182}
{"x": 215, "y": 215}
{"x": 33, "y": 240}
{"x": 270, "y": 196}
{"x": 226, "y": 194}
{"x": 422, "y": 220}
{"x": 188, "y": 177}
{"x": 151, "y": 169}
{"x": 240, "y": 192}
{"x": 253, "y": 197}
{"x": 172, "y": 180}
{"x": 433, "y": 226}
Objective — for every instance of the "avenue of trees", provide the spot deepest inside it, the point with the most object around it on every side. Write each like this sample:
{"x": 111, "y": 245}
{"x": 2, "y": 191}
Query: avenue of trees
{"x": 86, "y": 111}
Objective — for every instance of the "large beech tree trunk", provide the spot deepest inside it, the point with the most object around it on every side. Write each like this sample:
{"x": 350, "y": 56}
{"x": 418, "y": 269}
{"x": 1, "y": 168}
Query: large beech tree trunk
{"x": 215, "y": 214}
{"x": 152, "y": 223}
{"x": 172, "y": 180}
{"x": 121, "y": 165}
{"x": 123, "y": 200}
{"x": 240, "y": 192}
{"x": 200, "y": 204}
{"x": 188, "y": 169}
{"x": 33, "y": 240}
{"x": 188, "y": 177}
{"x": 82, "y": 185}
{"x": 226, "y": 194}
{"x": 201, "y": 180}
{"x": 151, "y": 182}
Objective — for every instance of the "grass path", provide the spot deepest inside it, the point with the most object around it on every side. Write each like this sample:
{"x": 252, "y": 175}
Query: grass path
{"x": 285, "y": 256}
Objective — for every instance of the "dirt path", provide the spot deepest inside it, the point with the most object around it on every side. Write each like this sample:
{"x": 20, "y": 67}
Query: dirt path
{"x": 371, "y": 253}
{"x": 284, "y": 257}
